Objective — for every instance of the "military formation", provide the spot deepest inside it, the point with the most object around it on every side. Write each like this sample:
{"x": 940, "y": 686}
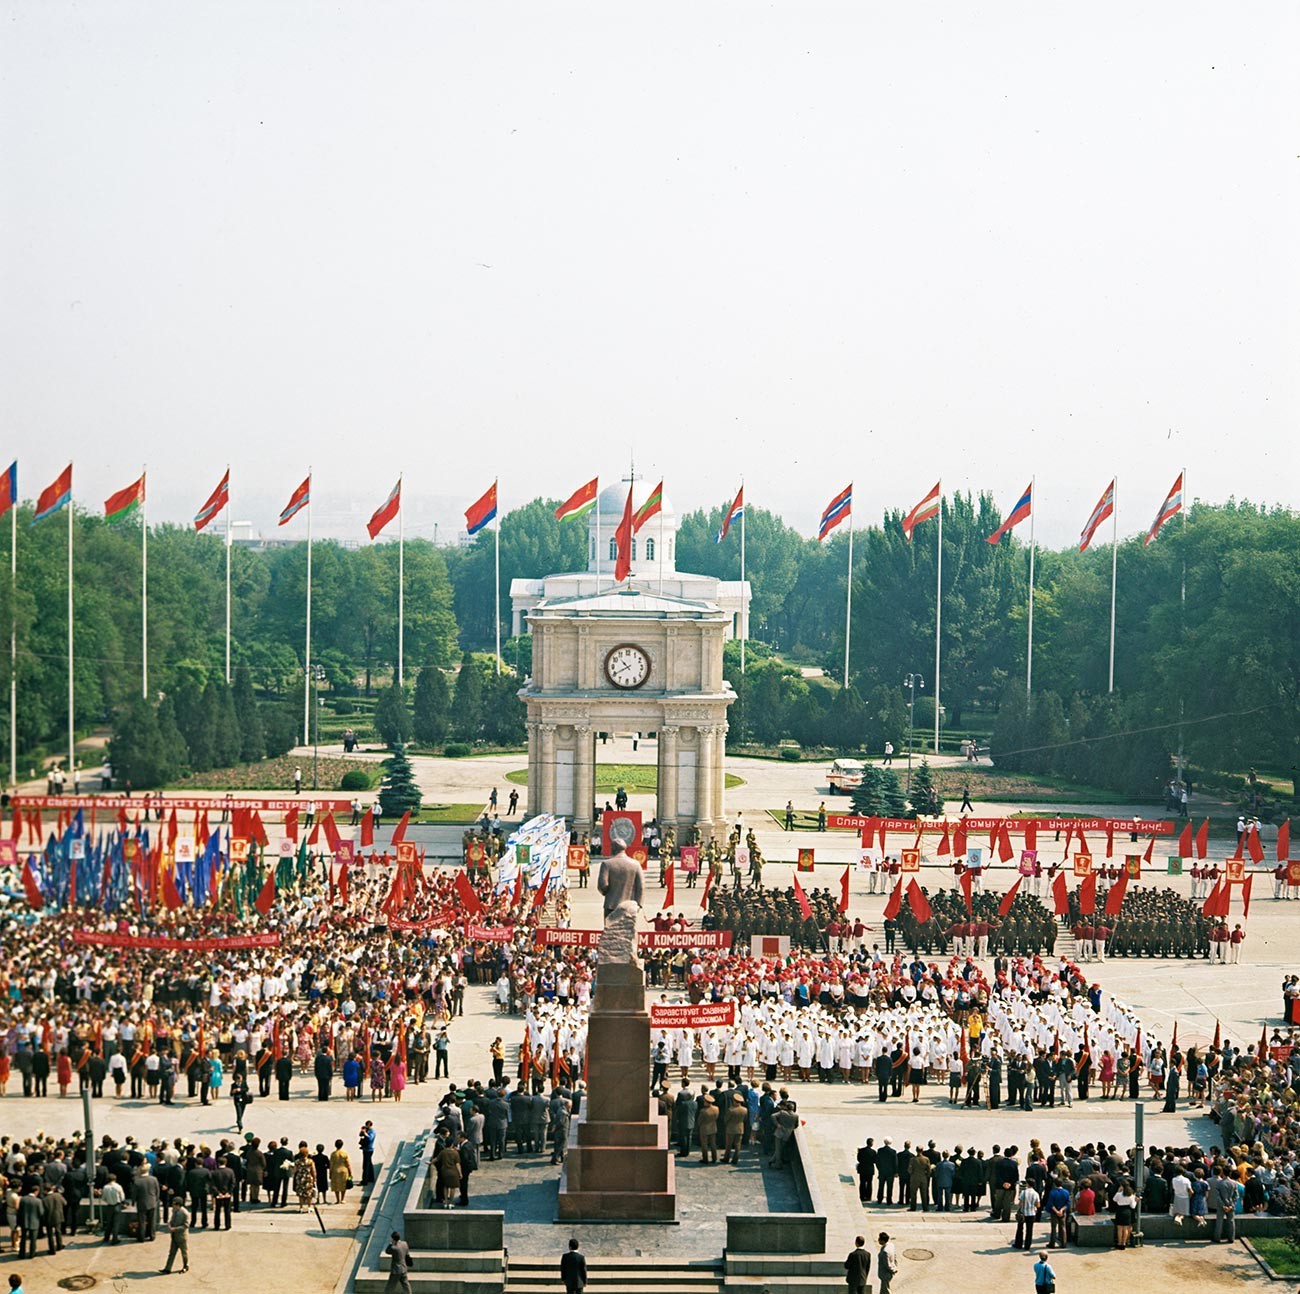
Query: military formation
{"x": 1151, "y": 923}
{"x": 1027, "y": 928}
{"x": 766, "y": 911}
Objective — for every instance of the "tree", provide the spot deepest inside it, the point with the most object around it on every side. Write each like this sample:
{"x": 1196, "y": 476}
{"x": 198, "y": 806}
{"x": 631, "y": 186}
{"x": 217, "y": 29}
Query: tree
{"x": 925, "y": 796}
{"x": 252, "y": 744}
{"x": 140, "y": 753}
{"x": 222, "y": 723}
{"x": 280, "y": 729}
{"x": 467, "y": 704}
{"x": 503, "y": 711}
{"x": 398, "y": 791}
{"x": 432, "y": 707}
{"x": 392, "y": 717}
{"x": 893, "y": 803}
{"x": 868, "y": 797}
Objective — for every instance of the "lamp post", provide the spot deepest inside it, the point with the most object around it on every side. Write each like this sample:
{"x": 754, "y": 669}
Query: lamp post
{"x": 911, "y": 681}
{"x": 1139, "y": 1168}
{"x": 317, "y": 674}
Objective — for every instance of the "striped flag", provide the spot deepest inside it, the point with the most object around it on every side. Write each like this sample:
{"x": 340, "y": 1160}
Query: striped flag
{"x": 217, "y": 500}
{"x": 122, "y": 504}
{"x": 386, "y": 511}
{"x": 1169, "y": 509}
{"x": 481, "y": 511}
{"x": 298, "y": 500}
{"x": 55, "y": 496}
{"x": 837, "y": 509}
{"x": 652, "y": 505}
{"x": 1017, "y": 514}
{"x": 1105, "y": 506}
{"x": 579, "y": 503}
{"x": 734, "y": 514}
{"x": 9, "y": 488}
{"x": 927, "y": 508}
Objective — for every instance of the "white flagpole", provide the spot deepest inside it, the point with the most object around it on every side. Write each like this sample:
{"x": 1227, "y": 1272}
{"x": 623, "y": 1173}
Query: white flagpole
{"x": 938, "y": 616}
{"x": 72, "y": 738}
{"x": 1114, "y": 561}
{"x": 1029, "y": 667}
{"x": 306, "y": 682}
{"x": 744, "y": 602}
{"x": 144, "y": 583}
{"x": 13, "y": 649}
{"x": 497, "y": 560}
{"x": 227, "y": 578}
{"x": 848, "y": 589}
{"x": 598, "y": 534}
{"x": 401, "y": 584}
{"x": 661, "y": 548}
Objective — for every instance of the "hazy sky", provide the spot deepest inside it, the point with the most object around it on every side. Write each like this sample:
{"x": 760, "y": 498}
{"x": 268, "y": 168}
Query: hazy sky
{"x": 806, "y": 241}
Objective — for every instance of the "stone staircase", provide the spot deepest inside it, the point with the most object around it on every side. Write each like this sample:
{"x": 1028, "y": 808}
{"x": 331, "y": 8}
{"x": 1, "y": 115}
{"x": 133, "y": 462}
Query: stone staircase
{"x": 620, "y": 1276}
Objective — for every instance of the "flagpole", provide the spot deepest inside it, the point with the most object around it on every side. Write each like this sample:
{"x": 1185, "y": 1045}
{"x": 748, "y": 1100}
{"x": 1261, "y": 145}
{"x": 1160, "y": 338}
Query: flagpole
{"x": 401, "y": 583}
{"x": 848, "y": 594}
{"x": 1029, "y": 668}
{"x": 661, "y": 547}
{"x": 72, "y": 739}
{"x": 1114, "y": 561}
{"x": 227, "y": 575}
{"x": 497, "y": 562}
{"x": 744, "y": 602}
{"x": 144, "y": 581}
{"x": 306, "y": 681}
{"x": 598, "y": 534}
{"x": 938, "y": 613}
{"x": 13, "y": 649}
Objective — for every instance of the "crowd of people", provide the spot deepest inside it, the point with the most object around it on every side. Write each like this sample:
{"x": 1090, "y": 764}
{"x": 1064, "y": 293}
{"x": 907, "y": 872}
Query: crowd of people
{"x": 1151, "y": 923}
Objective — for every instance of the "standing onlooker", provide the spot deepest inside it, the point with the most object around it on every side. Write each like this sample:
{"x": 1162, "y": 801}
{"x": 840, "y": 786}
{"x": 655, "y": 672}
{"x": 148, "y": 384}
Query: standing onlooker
{"x": 178, "y": 1226}
{"x": 857, "y": 1266}
{"x": 886, "y": 1262}
{"x": 1044, "y": 1276}
{"x": 1028, "y": 1203}
{"x": 573, "y": 1269}
{"x": 111, "y": 1197}
{"x": 340, "y": 1172}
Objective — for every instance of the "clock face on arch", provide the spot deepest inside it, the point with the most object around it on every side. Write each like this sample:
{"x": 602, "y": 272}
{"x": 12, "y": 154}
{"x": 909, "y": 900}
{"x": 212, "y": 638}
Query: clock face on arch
{"x": 627, "y": 666}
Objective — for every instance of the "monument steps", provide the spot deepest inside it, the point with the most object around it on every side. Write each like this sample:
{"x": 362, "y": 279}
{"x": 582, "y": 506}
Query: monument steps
{"x": 624, "y": 1275}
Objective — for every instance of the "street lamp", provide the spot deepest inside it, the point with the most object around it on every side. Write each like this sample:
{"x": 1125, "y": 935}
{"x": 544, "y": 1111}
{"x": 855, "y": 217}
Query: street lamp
{"x": 911, "y": 681}
{"x": 317, "y": 677}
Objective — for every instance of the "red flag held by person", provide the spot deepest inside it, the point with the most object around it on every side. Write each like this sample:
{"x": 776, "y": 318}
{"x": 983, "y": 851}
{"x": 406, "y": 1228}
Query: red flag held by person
{"x": 465, "y": 893}
{"x": 343, "y": 882}
{"x": 884, "y": 834}
{"x": 368, "y": 828}
{"x": 844, "y": 891}
{"x": 708, "y": 885}
{"x": 1115, "y": 896}
{"x": 1110, "y": 838}
{"x": 1218, "y": 1035}
{"x": 1210, "y": 908}
{"x": 172, "y": 829}
{"x": 1010, "y": 897}
{"x": 331, "y": 830}
{"x": 670, "y": 886}
{"x": 801, "y": 898}
{"x": 171, "y": 895}
{"x": 1031, "y": 835}
{"x": 1084, "y": 847}
{"x": 959, "y": 840}
{"x": 1151, "y": 847}
{"x": 540, "y": 897}
{"x": 399, "y": 832}
{"x": 1254, "y": 847}
{"x": 1005, "y": 852}
{"x": 1203, "y": 839}
{"x": 265, "y": 901}
{"x": 919, "y": 904}
{"x": 1245, "y": 897}
{"x": 1088, "y": 895}
{"x": 518, "y": 897}
{"x": 256, "y": 829}
{"x": 945, "y": 845}
{"x": 895, "y": 902}
{"x": 35, "y": 899}
{"x": 1185, "y": 841}
{"x": 966, "y": 880}
{"x": 1284, "y": 841}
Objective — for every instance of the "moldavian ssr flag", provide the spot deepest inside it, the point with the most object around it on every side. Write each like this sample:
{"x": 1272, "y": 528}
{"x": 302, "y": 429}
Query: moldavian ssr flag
{"x": 927, "y": 508}
{"x": 55, "y": 496}
{"x": 480, "y": 512}
{"x": 386, "y": 511}
{"x": 1105, "y": 506}
{"x": 216, "y": 501}
{"x": 1169, "y": 509}
{"x": 734, "y": 514}
{"x": 9, "y": 488}
{"x": 654, "y": 504}
{"x": 623, "y": 542}
{"x": 837, "y": 509}
{"x": 580, "y": 502}
{"x": 122, "y": 504}
{"x": 298, "y": 500}
{"x": 1017, "y": 514}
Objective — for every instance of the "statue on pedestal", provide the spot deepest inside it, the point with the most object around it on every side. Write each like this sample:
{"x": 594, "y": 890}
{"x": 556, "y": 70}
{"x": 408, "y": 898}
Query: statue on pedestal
{"x": 622, "y": 884}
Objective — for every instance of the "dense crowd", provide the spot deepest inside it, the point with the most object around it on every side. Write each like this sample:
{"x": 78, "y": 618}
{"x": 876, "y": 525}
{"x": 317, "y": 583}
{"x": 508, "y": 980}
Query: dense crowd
{"x": 1150, "y": 923}
{"x": 1027, "y": 927}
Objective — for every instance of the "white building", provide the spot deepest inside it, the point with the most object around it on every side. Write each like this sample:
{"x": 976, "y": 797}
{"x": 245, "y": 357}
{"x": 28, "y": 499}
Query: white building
{"x": 654, "y": 567}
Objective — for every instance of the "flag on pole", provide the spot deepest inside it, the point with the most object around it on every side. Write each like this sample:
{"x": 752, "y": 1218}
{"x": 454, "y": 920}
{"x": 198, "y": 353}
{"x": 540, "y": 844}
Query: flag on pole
{"x": 265, "y": 900}
{"x": 1185, "y": 842}
{"x": 649, "y": 508}
{"x": 55, "y": 496}
{"x": 1203, "y": 839}
{"x": 623, "y": 541}
{"x": 1245, "y": 896}
{"x": 1105, "y": 506}
{"x": 9, "y": 488}
{"x": 918, "y": 902}
{"x": 895, "y": 901}
{"x": 481, "y": 511}
{"x": 1115, "y": 895}
{"x": 121, "y": 505}
{"x": 1088, "y": 895}
{"x": 1284, "y": 841}
{"x": 1169, "y": 509}
{"x": 298, "y": 500}
{"x": 1016, "y": 515}
{"x": 837, "y": 509}
{"x": 967, "y": 882}
{"x": 927, "y": 508}
{"x": 844, "y": 891}
{"x": 801, "y": 898}
{"x": 216, "y": 501}
{"x": 1060, "y": 897}
{"x": 386, "y": 511}
{"x": 733, "y": 514}
{"x": 465, "y": 894}
{"x": 670, "y": 887}
{"x": 579, "y": 503}
{"x": 1009, "y": 898}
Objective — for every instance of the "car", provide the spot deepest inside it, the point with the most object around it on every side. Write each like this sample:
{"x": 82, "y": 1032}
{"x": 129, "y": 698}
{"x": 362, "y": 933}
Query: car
{"x": 845, "y": 776}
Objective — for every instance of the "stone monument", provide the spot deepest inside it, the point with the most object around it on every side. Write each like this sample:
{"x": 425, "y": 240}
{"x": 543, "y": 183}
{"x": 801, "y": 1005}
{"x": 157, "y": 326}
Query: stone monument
{"x": 619, "y": 1167}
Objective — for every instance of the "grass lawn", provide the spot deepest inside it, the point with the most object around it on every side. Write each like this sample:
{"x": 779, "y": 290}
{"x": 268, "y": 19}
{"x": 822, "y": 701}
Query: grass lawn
{"x": 633, "y": 778}
{"x": 449, "y": 814}
{"x": 992, "y": 784}
{"x": 1278, "y": 1254}
{"x": 277, "y": 775}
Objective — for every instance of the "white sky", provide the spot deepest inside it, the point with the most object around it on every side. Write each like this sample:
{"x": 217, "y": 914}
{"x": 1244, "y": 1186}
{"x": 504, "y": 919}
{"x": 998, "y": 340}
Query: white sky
{"x": 806, "y": 241}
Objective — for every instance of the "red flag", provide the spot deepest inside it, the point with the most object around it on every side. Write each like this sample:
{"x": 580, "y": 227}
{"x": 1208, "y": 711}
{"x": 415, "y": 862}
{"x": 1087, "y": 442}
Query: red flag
{"x": 291, "y": 824}
{"x": 708, "y": 883}
{"x": 1088, "y": 895}
{"x": 1203, "y": 839}
{"x": 171, "y": 895}
{"x": 256, "y": 829}
{"x": 386, "y": 511}
{"x": 332, "y": 837}
{"x": 919, "y": 904}
{"x": 172, "y": 830}
{"x": 1185, "y": 841}
{"x": 465, "y": 893}
{"x": 1115, "y": 897}
{"x": 1069, "y": 836}
{"x": 519, "y": 888}
{"x": 1005, "y": 852}
{"x": 801, "y": 898}
{"x": 1009, "y": 898}
{"x": 967, "y": 881}
{"x": 670, "y": 886}
{"x": 1218, "y": 1035}
{"x": 623, "y": 541}
{"x": 945, "y": 845}
{"x": 1245, "y": 897}
{"x": 1110, "y": 838}
{"x": 35, "y": 899}
{"x": 844, "y": 891}
{"x": 481, "y": 511}
{"x": 1284, "y": 841}
{"x": 895, "y": 901}
{"x": 995, "y": 832}
{"x": 298, "y": 500}
{"x": 1031, "y": 835}
{"x": 884, "y": 834}
{"x": 265, "y": 901}
{"x": 1060, "y": 897}
{"x": 343, "y": 882}
{"x": 1084, "y": 847}
{"x": 399, "y": 832}
{"x": 1253, "y": 845}
{"x": 1210, "y": 908}
{"x": 368, "y": 828}
{"x": 540, "y": 897}
{"x": 959, "y": 840}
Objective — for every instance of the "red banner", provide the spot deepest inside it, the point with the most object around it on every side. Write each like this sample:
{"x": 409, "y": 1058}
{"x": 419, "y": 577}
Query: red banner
{"x": 439, "y": 921}
{"x": 557, "y": 936}
{"x": 491, "y": 934}
{"x": 683, "y": 939}
{"x": 707, "y": 1015}
{"x": 112, "y": 803}
{"x": 1142, "y": 826}
{"x": 111, "y": 939}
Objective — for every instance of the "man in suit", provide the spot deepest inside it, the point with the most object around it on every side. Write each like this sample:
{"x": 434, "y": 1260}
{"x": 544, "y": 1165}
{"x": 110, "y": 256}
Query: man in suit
{"x": 573, "y": 1269}
{"x": 857, "y": 1266}
{"x": 283, "y": 1075}
{"x": 1223, "y": 1198}
{"x": 146, "y": 1194}
{"x": 399, "y": 1270}
{"x": 684, "y": 1120}
{"x": 324, "y": 1074}
{"x": 886, "y": 1168}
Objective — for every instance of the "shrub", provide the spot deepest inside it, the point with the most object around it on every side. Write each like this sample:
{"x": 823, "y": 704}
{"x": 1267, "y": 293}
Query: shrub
{"x": 355, "y": 780}
{"x": 793, "y": 754}
{"x": 456, "y": 749}
{"x": 341, "y": 705}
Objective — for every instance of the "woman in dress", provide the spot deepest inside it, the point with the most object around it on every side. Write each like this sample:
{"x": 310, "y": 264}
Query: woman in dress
{"x": 351, "y": 1077}
{"x": 916, "y": 1073}
{"x": 340, "y": 1172}
{"x": 377, "y": 1076}
{"x": 397, "y": 1077}
{"x": 304, "y": 1179}
{"x": 1107, "y": 1076}
{"x": 63, "y": 1072}
{"x": 1124, "y": 1205}
{"x": 218, "y": 1075}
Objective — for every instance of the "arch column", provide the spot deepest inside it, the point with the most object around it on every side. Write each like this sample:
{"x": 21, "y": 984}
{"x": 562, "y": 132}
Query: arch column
{"x": 546, "y": 773}
{"x": 584, "y": 776}
{"x": 704, "y": 814}
{"x": 534, "y": 797}
{"x": 666, "y": 800}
